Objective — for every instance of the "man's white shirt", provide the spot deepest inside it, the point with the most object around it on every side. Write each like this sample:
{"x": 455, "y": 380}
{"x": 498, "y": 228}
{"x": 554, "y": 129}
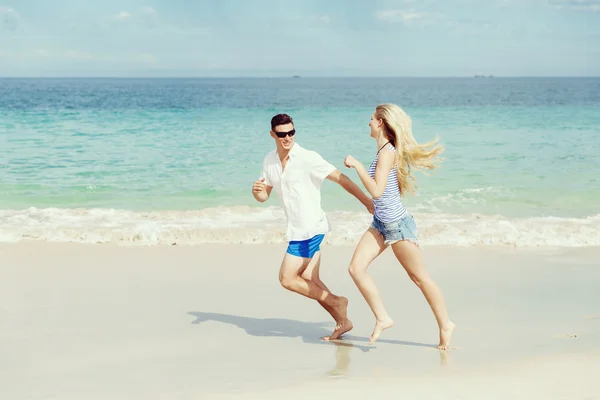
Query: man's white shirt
{"x": 299, "y": 190}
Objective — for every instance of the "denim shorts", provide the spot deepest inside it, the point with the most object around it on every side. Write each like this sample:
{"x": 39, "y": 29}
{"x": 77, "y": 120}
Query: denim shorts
{"x": 403, "y": 229}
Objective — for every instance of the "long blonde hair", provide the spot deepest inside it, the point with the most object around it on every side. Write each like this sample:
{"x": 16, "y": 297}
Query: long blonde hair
{"x": 397, "y": 126}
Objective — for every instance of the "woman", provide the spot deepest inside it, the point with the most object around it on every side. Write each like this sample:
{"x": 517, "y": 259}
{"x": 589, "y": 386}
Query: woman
{"x": 388, "y": 178}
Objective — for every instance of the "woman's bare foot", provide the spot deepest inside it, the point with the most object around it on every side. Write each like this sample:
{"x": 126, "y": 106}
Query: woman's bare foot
{"x": 340, "y": 329}
{"x": 445, "y": 335}
{"x": 380, "y": 326}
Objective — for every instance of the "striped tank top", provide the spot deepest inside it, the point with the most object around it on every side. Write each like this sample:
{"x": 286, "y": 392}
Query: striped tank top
{"x": 389, "y": 207}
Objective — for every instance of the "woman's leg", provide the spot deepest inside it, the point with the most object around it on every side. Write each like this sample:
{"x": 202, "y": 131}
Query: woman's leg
{"x": 371, "y": 245}
{"x": 411, "y": 259}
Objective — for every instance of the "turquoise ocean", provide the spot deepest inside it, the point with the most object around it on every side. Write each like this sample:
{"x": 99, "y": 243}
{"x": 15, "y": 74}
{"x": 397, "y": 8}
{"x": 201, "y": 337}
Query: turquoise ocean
{"x": 163, "y": 161}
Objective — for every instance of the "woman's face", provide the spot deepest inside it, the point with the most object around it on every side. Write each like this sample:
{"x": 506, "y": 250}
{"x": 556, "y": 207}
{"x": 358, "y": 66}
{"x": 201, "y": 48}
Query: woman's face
{"x": 375, "y": 125}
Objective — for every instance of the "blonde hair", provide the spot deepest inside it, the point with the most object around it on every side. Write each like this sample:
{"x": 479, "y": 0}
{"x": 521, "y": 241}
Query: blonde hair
{"x": 397, "y": 126}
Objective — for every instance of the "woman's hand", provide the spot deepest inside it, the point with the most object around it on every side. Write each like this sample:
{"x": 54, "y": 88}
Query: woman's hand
{"x": 350, "y": 161}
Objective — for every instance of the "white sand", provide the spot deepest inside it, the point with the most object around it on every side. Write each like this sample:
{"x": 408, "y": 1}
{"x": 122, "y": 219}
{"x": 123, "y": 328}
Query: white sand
{"x": 211, "y": 321}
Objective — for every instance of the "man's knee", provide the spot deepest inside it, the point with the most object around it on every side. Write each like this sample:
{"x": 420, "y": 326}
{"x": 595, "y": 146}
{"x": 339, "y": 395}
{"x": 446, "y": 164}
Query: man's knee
{"x": 310, "y": 276}
{"x": 286, "y": 281}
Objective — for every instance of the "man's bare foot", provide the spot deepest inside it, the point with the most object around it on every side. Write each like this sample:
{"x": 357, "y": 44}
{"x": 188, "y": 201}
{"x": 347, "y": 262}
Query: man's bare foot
{"x": 445, "y": 335}
{"x": 340, "y": 329}
{"x": 341, "y": 308}
{"x": 336, "y": 317}
{"x": 380, "y": 326}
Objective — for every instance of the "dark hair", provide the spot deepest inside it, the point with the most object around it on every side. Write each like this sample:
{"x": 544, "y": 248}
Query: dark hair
{"x": 280, "y": 119}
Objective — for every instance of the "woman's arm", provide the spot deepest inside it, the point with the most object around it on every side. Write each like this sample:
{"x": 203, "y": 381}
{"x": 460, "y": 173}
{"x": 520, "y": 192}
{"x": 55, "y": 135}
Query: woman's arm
{"x": 375, "y": 186}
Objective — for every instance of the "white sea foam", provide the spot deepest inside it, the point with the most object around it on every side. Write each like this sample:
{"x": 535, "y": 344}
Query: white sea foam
{"x": 267, "y": 225}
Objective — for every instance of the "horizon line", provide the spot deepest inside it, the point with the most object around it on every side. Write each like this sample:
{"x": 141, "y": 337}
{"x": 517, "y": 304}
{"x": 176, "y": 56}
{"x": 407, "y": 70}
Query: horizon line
{"x": 476, "y": 76}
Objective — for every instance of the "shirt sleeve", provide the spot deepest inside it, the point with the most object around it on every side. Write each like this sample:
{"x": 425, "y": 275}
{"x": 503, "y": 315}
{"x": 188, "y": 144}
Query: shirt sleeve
{"x": 265, "y": 175}
{"x": 319, "y": 168}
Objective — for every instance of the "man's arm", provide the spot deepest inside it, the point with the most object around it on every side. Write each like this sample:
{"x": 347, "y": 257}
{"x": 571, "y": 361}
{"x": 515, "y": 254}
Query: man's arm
{"x": 352, "y": 188}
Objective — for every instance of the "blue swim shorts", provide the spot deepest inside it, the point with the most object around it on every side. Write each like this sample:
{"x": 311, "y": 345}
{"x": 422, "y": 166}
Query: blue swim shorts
{"x": 305, "y": 248}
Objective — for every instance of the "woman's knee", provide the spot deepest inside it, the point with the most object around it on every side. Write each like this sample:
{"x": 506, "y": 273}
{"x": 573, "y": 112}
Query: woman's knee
{"x": 356, "y": 269}
{"x": 420, "y": 279}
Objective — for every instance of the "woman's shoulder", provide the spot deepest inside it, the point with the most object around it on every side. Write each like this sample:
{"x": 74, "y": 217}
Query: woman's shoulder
{"x": 386, "y": 151}
{"x": 390, "y": 147}
{"x": 386, "y": 155}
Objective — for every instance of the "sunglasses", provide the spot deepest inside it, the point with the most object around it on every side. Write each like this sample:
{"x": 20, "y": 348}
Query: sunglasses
{"x": 281, "y": 135}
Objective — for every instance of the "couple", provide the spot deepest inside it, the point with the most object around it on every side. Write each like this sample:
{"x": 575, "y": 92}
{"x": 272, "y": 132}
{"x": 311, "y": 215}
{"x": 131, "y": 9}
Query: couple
{"x": 297, "y": 175}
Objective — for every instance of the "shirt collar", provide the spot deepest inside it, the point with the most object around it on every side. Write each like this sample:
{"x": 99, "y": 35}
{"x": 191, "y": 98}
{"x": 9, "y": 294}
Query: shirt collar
{"x": 294, "y": 151}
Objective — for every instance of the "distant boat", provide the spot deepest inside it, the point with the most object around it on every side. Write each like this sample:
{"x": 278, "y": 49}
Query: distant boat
{"x": 296, "y": 76}
{"x": 484, "y": 76}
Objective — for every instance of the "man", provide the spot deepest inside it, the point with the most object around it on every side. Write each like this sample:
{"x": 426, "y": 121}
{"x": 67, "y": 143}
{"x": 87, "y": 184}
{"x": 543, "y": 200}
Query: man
{"x": 297, "y": 175}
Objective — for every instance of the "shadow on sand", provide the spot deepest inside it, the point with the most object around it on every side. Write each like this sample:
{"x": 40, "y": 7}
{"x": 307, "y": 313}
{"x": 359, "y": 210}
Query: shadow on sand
{"x": 309, "y": 332}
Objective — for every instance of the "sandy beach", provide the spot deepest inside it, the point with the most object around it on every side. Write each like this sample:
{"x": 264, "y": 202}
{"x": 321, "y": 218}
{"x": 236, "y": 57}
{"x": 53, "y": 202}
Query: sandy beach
{"x": 211, "y": 321}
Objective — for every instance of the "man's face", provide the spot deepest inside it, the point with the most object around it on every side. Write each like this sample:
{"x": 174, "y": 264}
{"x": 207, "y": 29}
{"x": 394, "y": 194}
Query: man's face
{"x": 287, "y": 131}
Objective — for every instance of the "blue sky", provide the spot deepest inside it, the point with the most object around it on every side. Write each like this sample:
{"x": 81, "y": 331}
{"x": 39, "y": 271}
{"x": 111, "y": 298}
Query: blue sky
{"x": 305, "y": 37}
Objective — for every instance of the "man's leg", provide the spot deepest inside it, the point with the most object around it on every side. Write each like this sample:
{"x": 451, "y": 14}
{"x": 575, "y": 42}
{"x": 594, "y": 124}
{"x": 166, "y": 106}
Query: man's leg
{"x": 290, "y": 276}
{"x": 311, "y": 273}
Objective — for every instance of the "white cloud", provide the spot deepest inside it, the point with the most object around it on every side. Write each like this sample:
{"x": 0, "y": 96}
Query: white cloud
{"x": 325, "y": 19}
{"x": 122, "y": 16}
{"x": 149, "y": 11}
{"x": 149, "y": 18}
{"x": 144, "y": 58}
{"x": 76, "y": 55}
{"x": 80, "y": 56}
{"x": 9, "y": 18}
{"x": 486, "y": 29}
{"x": 146, "y": 17}
{"x": 9, "y": 11}
{"x": 578, "y": 5}
{"x": 312, "y": 20}
{"x": 405, "y": 17}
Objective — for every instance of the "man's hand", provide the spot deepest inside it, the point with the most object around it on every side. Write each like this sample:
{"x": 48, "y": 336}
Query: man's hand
{"x": 259, "y": 187}
{"x": 259, "y": 190}
{"x": 370, "y": 207}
